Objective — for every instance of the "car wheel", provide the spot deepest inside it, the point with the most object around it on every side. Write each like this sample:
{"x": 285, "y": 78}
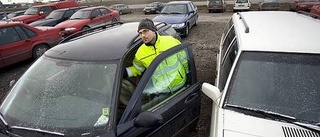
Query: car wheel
{"x": 196, "y": 22}
{"x": 114, "y": 20}
{"x": 186, "y": 31}
{"x": 39, "y": 50}
{"x": 85, "y": 28}
{"x": 120, "y": 12}
{"x": 131, "y": 11}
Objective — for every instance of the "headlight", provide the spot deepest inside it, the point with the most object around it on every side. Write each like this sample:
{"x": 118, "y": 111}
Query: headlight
{"x": 178, "y": 25}
{"x": 70, "y": 29}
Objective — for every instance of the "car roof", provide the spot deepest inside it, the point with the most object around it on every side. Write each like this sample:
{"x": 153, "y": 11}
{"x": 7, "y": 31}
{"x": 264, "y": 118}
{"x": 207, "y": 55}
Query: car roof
{"x": 278, "y": 31}
{"x": 92, "y": 8}
{"x": 178, "y": 2}
{"x": 110, "y": 44}
{"x": 6, "y": 23}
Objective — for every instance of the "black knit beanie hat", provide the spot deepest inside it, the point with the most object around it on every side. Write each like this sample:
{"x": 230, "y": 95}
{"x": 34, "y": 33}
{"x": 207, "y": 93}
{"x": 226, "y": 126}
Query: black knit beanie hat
{"x": 147, "y": 24}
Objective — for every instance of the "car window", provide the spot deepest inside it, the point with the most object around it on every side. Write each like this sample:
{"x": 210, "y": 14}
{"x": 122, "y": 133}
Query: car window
{"x": 105, "y": 11}
{"x": 29, "y": 32}
{"x": 53, "y": 7}
{"x": 68, "y": 13}
{"x": 230, "y": 36}
{"x": 163, "y": 86}
{"x": 226, "y": 29}
{"x": 45, "y": 10}
{"x": 8, "y": 35}
{"x": 190, "y": 8}
{"x": 227, "y": 62}
{"x": 21, "y": 32}
{"x": 281, "y": 83}
{"x": 95, "y": 13}
{"x": 242, "y": 1}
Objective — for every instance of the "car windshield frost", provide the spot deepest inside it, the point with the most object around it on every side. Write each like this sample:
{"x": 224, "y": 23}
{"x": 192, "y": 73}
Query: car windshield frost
{"x": 55, "y": 15}
{"x": 62, "y": 96}
{"x": 284, "y": 83}
{"x": 31, "y": 11}
{"x": 81, "y": 14}
{"x": 175, "y": 9}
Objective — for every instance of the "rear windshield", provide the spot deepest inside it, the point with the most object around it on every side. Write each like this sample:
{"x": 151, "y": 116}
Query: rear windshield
{"x": 284, "y": 83}
{"x": 242, "y": 1}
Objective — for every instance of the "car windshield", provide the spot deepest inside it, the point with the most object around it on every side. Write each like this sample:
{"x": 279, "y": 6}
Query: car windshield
{"x": 81, "y": 14}
{"x": 267, "y": 1}
{"x": 55, "y": 15}
{"x": 175, "y": 9}
{"x": 69, "y": 97}
{"x": 284, "y": 83}
{"x": 31, "y": 11}
{"x": 214, "y": 1}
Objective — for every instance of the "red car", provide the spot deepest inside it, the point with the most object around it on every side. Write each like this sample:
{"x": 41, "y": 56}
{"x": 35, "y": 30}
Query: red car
{"x": 304, "y": 5}
{"x": 41, "y": 11}
{"x": 88, "y": 17}
{"x": 19, "y": 41}
{"x": 316, "y": 10}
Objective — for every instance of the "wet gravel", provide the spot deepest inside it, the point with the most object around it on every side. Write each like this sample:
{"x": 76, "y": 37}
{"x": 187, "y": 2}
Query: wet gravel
{"x": 204, "y": 39}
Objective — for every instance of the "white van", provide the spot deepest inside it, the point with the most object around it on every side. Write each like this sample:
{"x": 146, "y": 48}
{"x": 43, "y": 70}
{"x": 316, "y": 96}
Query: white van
{"x": 268, "y": 77}
{"x": 241, "y": 5}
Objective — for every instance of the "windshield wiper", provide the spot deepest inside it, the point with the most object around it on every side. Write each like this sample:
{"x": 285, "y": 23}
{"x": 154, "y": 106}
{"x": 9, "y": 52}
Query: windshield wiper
{"x": 277, "y": 116}
{"x": 36, "y": 131}
{"x": 175, "y": 13}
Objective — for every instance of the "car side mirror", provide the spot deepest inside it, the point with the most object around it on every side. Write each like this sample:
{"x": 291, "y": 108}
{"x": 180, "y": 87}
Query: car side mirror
{"x": 148, "y": 119}
{"x": 211, "y": 91}
{"x": 12, "y": 82}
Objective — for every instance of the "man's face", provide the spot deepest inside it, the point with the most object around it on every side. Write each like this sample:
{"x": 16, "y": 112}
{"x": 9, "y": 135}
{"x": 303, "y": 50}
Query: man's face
{"x": 146, "y": 35}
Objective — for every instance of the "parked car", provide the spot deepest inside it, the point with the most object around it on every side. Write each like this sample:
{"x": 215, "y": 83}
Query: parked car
{"x": 41, "y": 11}
{"x": 14, "y": 14}
{"x": 182, "y": 15}
{"x": 267, "y": 82}
{"x": 216, "y": 5}
{"x": 56, "y": 17}
{"x": 154, "y": 7}
{"x": 241, "y": 5}
{"x": 122, "y": 8}
{"x": 316, "y": 10}
{"x": 3, "y": 14}
{"x": 304, "y": 5}
{"x": 269, "y": 5}
{"x": 87, "y": 18}
{"x": 73, "y": 90}
{"x": 20, "y": 41}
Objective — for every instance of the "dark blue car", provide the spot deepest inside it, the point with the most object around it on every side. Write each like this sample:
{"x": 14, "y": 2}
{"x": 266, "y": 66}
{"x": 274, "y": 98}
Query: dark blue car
{"x": 182, "y": 15}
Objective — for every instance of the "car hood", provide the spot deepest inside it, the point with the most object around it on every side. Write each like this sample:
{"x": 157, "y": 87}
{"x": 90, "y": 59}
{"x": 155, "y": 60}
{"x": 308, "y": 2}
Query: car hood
{"x": 171, "y": 18}
{"x": 72, "y": 23}
{"x": 239, "y": 124}
{"x": 23, "y": 17}
{"x": 43, "y": 22}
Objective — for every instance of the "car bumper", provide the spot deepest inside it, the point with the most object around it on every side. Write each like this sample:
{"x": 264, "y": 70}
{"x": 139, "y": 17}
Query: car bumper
{"x": 181, "y": 31}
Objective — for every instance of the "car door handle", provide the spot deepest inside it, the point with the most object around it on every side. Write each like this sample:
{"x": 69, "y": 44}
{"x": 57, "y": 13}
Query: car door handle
{"x": 191, "y": 98}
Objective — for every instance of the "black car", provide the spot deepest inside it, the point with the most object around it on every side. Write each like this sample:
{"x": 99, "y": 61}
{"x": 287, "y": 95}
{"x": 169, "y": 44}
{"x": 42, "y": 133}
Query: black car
{"x": 74, "y": 90}
{"x": 56, "y": 17}
{"x": 154, "y": 7}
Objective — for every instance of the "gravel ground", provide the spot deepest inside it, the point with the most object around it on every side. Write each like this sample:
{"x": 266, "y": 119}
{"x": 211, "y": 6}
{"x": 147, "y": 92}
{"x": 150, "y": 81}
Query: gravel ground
{"x": 204, "y": 39}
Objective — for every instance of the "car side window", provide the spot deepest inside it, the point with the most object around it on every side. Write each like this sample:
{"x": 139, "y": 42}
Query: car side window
{"x": 22, "y": 33}
{"x": 104, "y": 11}
{"x": 167, "y": 81}
{"x": 228, "y": 39}
{"x": 95, "y": 13}
{"x": 45, "y": 10}
{"x": 8, "y": 35}
{"x": 29, "y": 32}
{"x": 68, "y": 13}
{"x": 227, "y": 62}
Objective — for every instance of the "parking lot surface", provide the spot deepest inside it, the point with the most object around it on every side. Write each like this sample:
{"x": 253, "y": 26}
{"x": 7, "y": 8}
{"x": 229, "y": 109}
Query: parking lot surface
{"x": 204, "y": 39}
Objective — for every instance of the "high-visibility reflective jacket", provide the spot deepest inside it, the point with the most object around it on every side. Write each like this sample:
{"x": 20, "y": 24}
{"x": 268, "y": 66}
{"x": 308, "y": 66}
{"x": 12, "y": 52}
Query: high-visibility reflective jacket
{"x": 170, "y": 74}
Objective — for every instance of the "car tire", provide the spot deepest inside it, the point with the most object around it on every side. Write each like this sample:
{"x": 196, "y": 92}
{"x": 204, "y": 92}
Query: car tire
{"x": 120, "y": 12}
{"x": 85, "y": 28}
{"x": 186, "y": 31}
{"x": 114, "y": 20}
{"x": 39, "y": 50}
{"x": 196, "y": 22}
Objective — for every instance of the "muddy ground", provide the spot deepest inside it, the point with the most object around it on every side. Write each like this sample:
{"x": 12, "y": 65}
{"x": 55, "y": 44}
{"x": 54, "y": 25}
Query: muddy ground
{"x": 204, "y": 39}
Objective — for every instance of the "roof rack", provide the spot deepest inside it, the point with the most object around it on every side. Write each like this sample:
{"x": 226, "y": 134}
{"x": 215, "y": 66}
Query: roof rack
{"x": 244, "y": 22}
{"x": 316, "y": 16}
{"x": 137, "y": 36}
{"x": 94, "y": 29}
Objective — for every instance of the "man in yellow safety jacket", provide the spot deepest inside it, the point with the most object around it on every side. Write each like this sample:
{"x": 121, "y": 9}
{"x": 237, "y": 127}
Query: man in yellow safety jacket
{"x": 171, "y": 73}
